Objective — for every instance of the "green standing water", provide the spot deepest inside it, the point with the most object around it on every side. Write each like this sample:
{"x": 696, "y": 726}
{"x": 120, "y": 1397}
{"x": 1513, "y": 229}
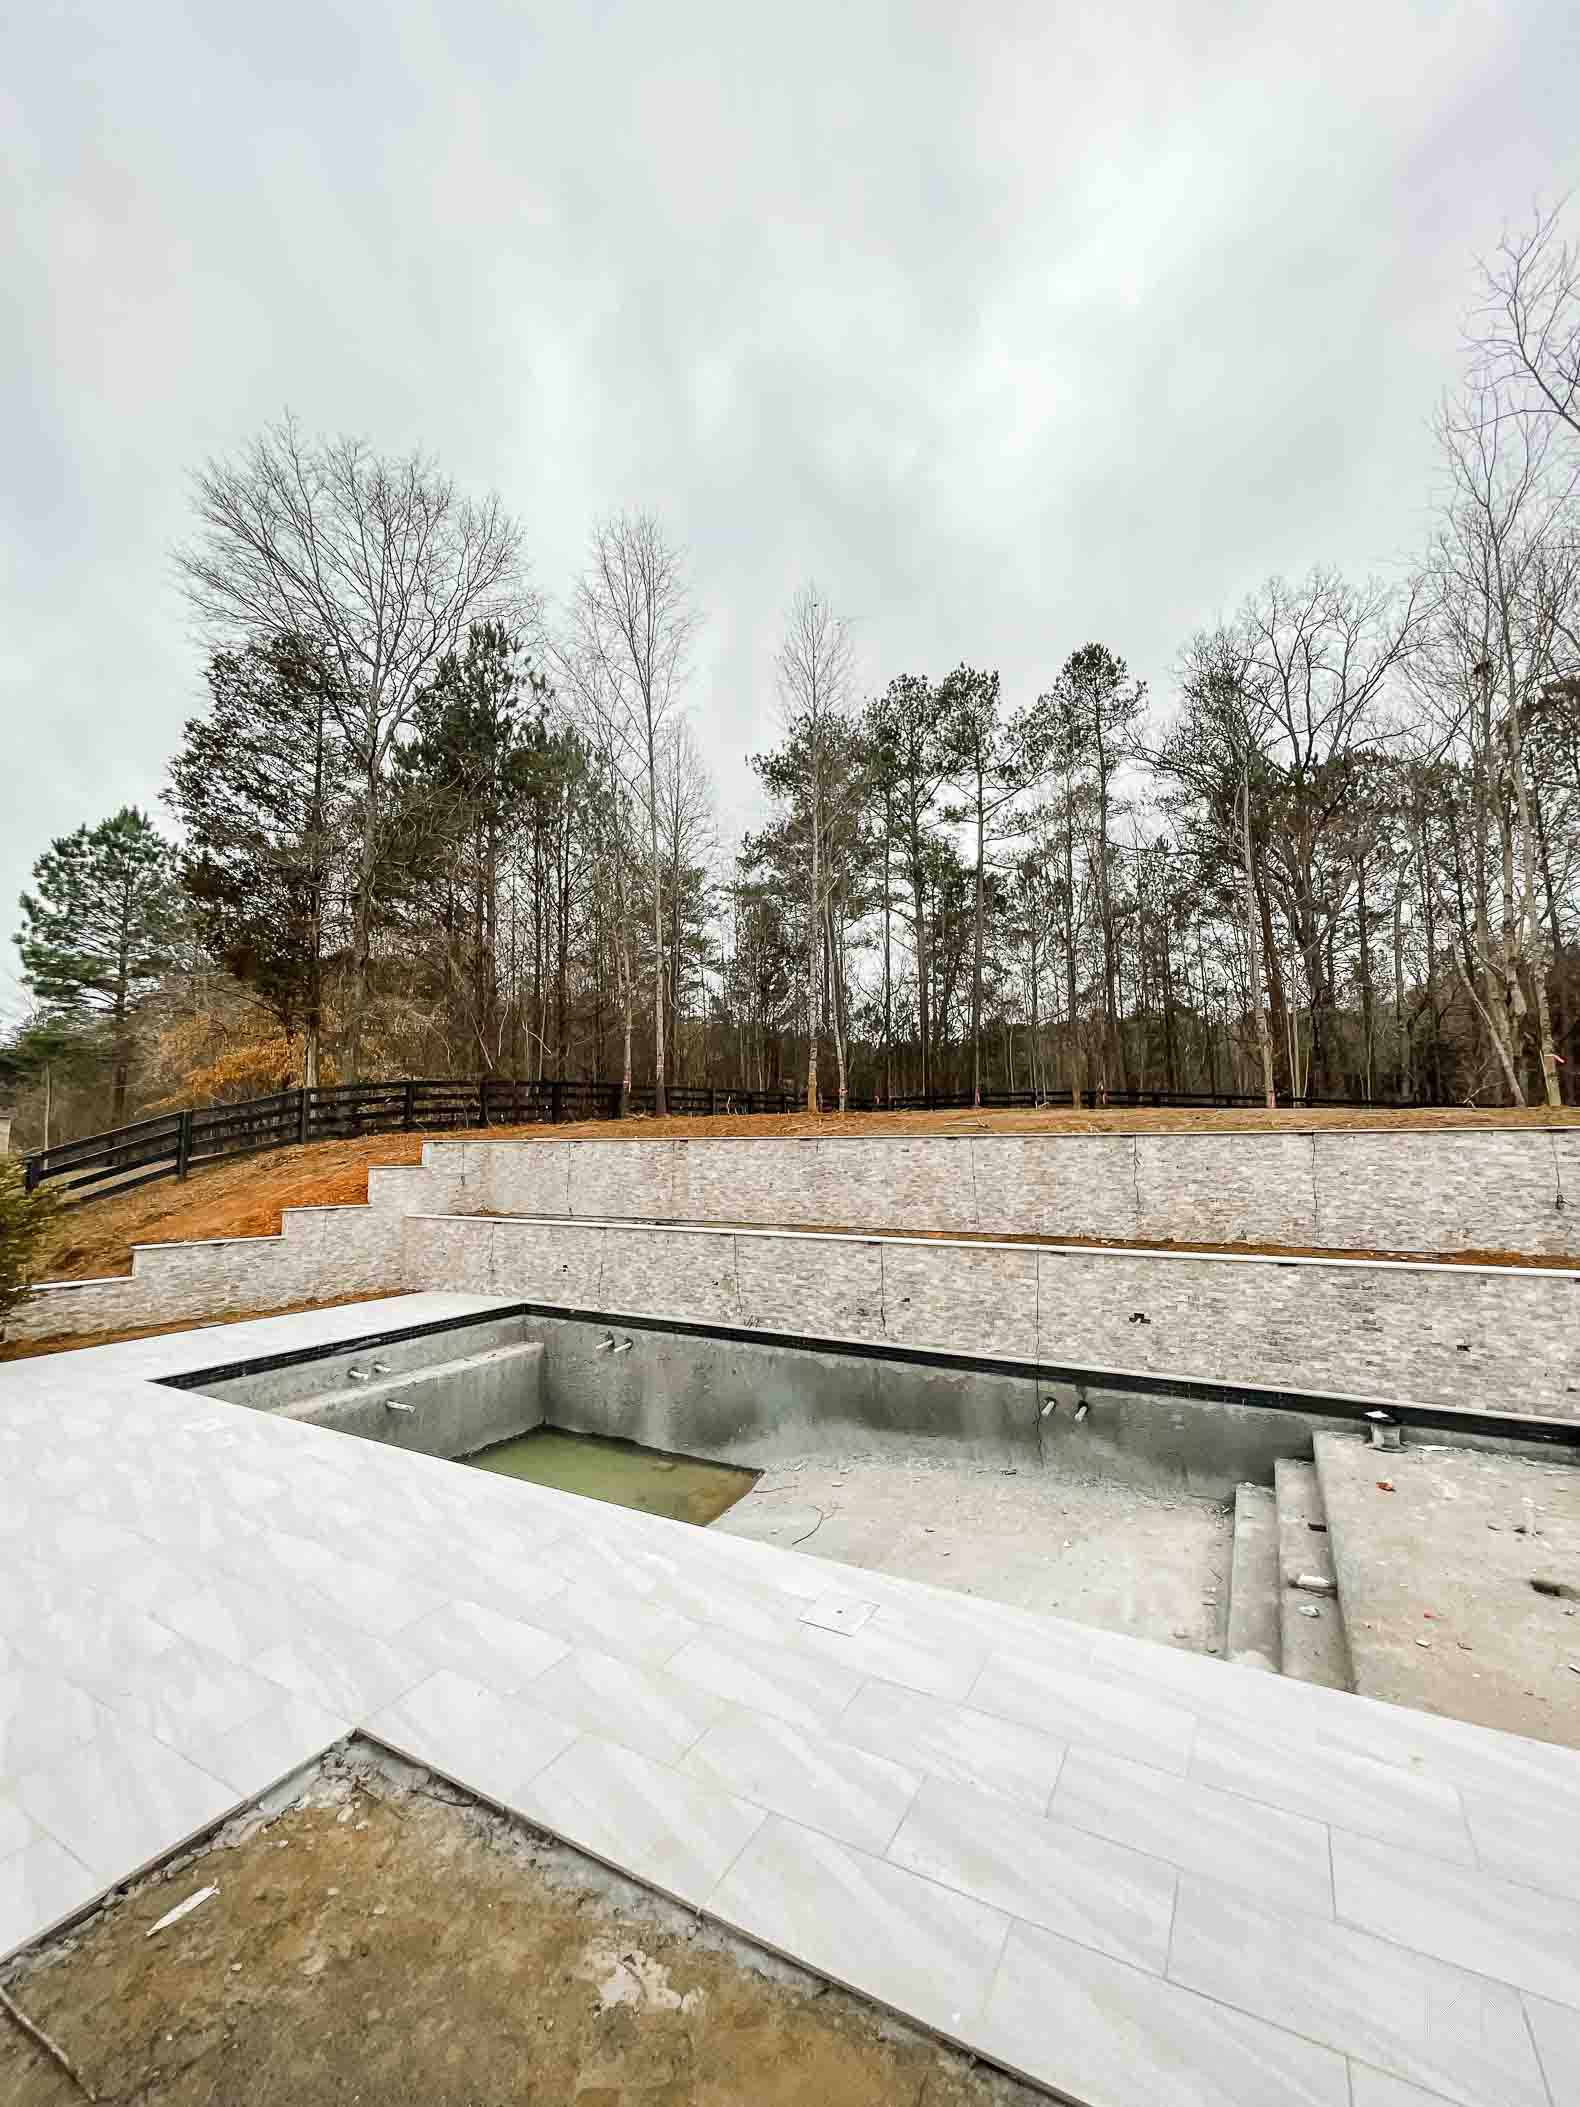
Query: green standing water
{"x": 682, "y": 1487}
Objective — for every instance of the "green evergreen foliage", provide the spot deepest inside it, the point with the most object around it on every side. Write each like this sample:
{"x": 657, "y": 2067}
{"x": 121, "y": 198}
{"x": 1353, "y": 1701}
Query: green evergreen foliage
{"x": 25, "y": 1218}
{"x": 263, "y": 787}
{"x": 102, "y": 927}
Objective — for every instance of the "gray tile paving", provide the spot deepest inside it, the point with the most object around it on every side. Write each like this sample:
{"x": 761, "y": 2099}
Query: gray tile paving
{"x": 1079, "y": 1708}
{"x": 1460, "y": 1914}
{"x": 871, "y": 1926}
{"x": 1556, "y": 2032}
{"x": 121, "y": 1800}
{"x": 1113, "y": 2036}
{"x": 1046, "y": 1873}
{"x": 16, "y": 1828}
{"x": 266, "y": 1747}
{"x": 40, "y": 1715}
{"x": 953, "y": 1741}
{"x": 614, "y": 1620}
{"x": 1413, "y": 2016}
{"x": 900, "y": 1648}
{"x": 1279, "y": 1856}
{"x": 644, "y": 1709}
{"x": 1528, "y": 1840}
{"x": 636, "y": 1814}
{"x": 40, "y": 1886}
{"x": 795, "y": 1771}
{"x": 1374, "y": 2088}
{"x": 771, "y": 1679}
{"x": 1358, "y": 1793}
{"x": 1101, "y": 1862}
{"x": 501, "y": 1652}
{"x": 496, "y": 1745}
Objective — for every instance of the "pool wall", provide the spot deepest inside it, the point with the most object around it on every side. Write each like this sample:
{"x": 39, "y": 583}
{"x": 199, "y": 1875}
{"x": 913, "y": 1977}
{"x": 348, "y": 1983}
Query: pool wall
{"x": 445, "y": 1393}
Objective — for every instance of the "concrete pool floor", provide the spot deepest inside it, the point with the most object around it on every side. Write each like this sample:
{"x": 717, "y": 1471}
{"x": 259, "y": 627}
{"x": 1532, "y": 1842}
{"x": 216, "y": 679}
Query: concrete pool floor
{"x": 1089, "y": 1549}
{"x": 1121, "y": 1871}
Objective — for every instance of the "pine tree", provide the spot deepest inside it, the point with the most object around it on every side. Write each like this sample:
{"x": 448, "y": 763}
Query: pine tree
{"x": 263, "y": 786}
{"x": 101, "y": 928}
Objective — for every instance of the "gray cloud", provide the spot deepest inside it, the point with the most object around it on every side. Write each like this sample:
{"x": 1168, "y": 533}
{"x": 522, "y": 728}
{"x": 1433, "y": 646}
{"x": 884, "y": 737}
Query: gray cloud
{"x": 1012, "y": 325}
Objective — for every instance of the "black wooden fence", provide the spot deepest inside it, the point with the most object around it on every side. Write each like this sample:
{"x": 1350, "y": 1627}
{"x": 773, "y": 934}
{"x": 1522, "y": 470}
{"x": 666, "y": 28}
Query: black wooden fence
{"x": 171, "y": 1143}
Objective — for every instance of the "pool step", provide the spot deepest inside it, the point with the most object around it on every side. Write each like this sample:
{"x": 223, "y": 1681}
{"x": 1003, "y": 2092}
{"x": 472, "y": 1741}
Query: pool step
{"x": 1314, "y": 1648}
{"x": 1254, "y": 1640}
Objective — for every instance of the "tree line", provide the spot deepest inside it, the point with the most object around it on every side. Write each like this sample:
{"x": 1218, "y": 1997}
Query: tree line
{"x": 424, "y": 824}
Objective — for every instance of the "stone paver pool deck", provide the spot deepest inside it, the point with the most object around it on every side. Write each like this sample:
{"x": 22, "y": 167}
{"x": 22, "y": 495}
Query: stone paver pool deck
{"x": 1127, "y": 1873}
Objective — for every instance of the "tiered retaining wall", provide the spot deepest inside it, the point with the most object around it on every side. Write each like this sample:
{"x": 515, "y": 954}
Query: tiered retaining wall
{"x": 1466, "y": 1189}
{"x": 1496, "y": 1337}
{"x": 1499, "y": 1338}
{"x": 320, "y": 1253}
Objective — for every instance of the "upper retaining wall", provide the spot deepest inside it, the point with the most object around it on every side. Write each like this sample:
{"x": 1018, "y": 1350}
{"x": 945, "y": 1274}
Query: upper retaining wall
{"x": 1465, "y": 1189}
{"x": 1480, "y": 1337}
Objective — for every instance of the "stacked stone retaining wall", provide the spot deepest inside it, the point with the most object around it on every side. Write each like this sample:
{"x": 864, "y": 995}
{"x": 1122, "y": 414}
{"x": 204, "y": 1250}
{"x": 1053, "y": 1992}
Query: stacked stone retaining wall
{"x": 1481, "y": 1337}
{"x": 1466, "y": 1189}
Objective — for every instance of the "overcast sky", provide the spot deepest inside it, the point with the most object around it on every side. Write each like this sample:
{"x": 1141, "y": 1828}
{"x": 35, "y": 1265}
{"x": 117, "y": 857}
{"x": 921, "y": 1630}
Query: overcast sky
{"x": 1014, "y": 326}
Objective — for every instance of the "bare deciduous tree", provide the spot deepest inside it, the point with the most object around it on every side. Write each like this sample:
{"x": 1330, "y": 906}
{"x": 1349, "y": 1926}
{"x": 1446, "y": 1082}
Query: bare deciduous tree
{"x": 1524, "y": 331}
{"x": 374, "y": 560}
{"x": 814, "y": 669}
{"x": 631, "y": 626}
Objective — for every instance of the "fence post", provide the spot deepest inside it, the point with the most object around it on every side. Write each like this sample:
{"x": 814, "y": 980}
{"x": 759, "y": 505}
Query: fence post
{"x": 31, "y": 1174}
{"x": 482, "y": 1101}
{"x": 183, "y": 1144}
{"x": 409, "y": 1107}
{"x": 303, "y": 1115}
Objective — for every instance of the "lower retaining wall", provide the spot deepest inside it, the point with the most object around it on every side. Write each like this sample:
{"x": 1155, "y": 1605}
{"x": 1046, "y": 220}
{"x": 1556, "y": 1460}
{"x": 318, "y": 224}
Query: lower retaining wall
{"x": 321, "y": 1252}
{"x": 1494, "y": 1338}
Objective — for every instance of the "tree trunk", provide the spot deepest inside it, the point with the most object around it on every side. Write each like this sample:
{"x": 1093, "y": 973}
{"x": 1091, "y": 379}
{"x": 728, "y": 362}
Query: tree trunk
{"x": 362, "y": 920}
{"x": 836, "y": 966}
{"x": 660, "y": 1096}
{"x": 1264, "y": 1037}
{"x": 814, "y": 943}
{"x": 888, "y": 977}
{"x": 1069, "y": 950}
{"x": 919, "y": 905}
{"x": 976, "y": 954}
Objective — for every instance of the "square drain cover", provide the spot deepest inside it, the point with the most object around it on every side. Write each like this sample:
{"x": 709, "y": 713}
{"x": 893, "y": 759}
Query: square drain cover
{"x": 838, "y": 1613}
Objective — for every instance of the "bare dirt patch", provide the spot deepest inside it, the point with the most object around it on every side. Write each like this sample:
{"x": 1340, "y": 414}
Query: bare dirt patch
{"x": 388, "y": 1943}
{"x": 245, "y": 1198}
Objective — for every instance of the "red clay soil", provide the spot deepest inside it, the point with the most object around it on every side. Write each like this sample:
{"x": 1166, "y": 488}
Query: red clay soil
{"x": 244, "y": 1198}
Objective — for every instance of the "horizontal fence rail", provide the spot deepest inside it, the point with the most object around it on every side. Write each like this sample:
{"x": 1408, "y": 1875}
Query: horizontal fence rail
{"x": 170, "y": 1144}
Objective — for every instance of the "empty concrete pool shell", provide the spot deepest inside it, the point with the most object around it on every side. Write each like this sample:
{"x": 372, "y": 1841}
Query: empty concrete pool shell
{"x": 731, "y": 1396}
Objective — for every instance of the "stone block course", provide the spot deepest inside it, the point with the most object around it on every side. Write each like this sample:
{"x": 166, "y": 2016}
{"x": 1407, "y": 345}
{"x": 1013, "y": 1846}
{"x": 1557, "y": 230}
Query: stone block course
{"x": 1338, "y": 1189}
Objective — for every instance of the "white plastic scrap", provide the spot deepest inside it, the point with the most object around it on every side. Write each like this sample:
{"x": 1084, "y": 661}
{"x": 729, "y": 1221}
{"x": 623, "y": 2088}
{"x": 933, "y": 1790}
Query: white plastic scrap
{"x": 182, "y": 1909}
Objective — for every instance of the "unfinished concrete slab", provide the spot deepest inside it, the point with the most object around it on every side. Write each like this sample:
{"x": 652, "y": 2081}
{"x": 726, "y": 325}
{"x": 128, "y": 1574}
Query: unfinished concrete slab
{"x": 1255, "y": 1638}
{"x": 1079, "y": 1547}
{"x": 195, "y": 1598}
{"x": 1310, "y": 1612}
{"x": 1460, "y": 1577}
